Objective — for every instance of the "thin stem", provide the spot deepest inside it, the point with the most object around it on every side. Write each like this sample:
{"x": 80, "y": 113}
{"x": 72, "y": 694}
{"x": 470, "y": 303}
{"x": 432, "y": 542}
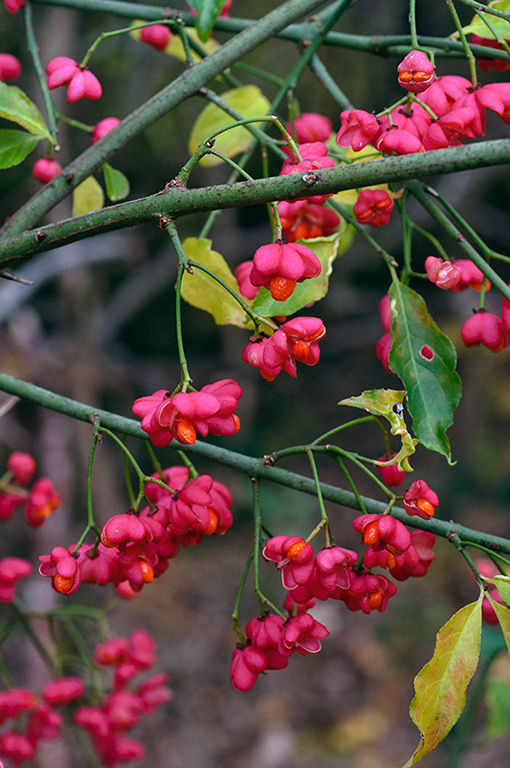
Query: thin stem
{"x": 467, "y": 50}
{"x": 486, "y": 9}
{"x": 329, "y": 83}
{"x": 183, "y": 265}
{"x": 324, "y": 523}
{"x": 254, "y": 317}
{"x": 235, "y": 612}
{"x": 258, "y": 72}
{"x": 407, "y": 232}
{"x": 127, "y": 475}
{"x": 422, "y": 194}
{"x": 43, "y": 653}
{"x": 461, "y": 221}
{"x": 193, "y": 472}
{"x": 341, "y": 427}
{"x": 91, "y": 525}
{"x": 501, "y": 40}
{"x": 435, "y": 242}
{"x": 114, "y": 33}
{"x": 126, "y": 452}
{"x": 412, "y": 24}
{"x": 351, "y": 483}
{"x": 41, "y": 77}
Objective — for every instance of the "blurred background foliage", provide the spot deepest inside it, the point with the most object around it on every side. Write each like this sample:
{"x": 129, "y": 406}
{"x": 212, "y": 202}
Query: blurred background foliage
{"x": 98, "y": 326}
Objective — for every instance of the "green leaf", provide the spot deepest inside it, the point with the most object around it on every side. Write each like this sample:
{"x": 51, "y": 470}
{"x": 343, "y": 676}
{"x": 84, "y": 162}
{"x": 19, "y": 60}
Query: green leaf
{"x": 207, "y": 13}
{"x": 441, "y": 685}
{"x": 477, "y": 26}
{"x": 326, "y": 249}
{"x": 249, "y": 101}
{"x": 425, "y": 360}
{"x": 203, "y": 292}
{"x": 87, "y": 197}
{"x": 17, "y": 107}
{"x": 388, "y": 403}
{"x": 502, "y": 584}
{"x": 503, "y": 614}
{"x": 117, "y": 185}
{"x": 498, "y": 705}
{"x": 15, "y": 146}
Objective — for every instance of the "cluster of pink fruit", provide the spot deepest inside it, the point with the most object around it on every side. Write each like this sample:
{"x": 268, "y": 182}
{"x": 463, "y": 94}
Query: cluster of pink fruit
{"x": 135, "y": 547}
{"x": 333, "y": 573}
{"x": 31, "y": 719}
{"x": 37, "y": 502}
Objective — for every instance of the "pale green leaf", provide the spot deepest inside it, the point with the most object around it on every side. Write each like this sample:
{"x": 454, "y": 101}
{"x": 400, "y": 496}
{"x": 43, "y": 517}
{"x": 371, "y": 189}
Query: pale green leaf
{"x": 249, "y": 102}
{"x": 497, "y": 699}
{"x": 203, "y": 292}
{"x": 15, "y": 146}
{"x": 117, "y": 185}
{"x": 478, "y": 27}
{"x": 502, "y": 584}
{"x": 17, "y": 107}
{"x": 326, "y": 249}
{"x": 425, "y": 359}
{"x": 388, "y": 403}
{"x": 87, "y": 197}
{"x": 441, "y": 685}
{"x": 503, "y": 614}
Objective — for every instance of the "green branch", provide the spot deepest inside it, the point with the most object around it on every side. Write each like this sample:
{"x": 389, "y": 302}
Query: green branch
{"x": 178, "y": 201}
{"x": 381, "y": 45}
{"x": 253, "y": 467}
{"x": 187, "y": 84}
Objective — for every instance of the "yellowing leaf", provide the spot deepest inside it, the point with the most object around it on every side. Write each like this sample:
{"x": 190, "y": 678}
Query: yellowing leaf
{"x": 441, "y": 685}
{"x": 326, "y": 249}
{"x": 249, "y": 101}
{"x": 202, "y": 291}
{"x": 388, "y": 403}
{"x": 88, "y": 196}
{"x": 175, "y": 47}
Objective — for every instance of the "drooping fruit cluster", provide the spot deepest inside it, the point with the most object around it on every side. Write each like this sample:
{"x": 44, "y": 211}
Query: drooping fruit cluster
{"x": 333, "y": 573}
{"x": 37, "y": 502}
{"x": 135, "y": 547}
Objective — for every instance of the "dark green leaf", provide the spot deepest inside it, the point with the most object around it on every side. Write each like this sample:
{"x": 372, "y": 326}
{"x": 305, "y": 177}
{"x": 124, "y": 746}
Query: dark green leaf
{"x": 15, "y": 146}
{"x": 207, "y": 13}
{"x": 425, "y": 360}
{"x": 117, "y": 185}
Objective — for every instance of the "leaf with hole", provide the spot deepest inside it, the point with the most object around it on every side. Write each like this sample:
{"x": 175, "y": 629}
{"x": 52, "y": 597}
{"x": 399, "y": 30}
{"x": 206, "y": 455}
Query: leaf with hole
{"x": 425, "y": 359}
